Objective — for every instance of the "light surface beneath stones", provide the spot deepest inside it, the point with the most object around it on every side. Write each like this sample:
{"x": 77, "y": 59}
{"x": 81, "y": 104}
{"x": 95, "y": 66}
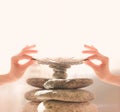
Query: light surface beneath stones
{"x": 67, "y": 83}
{"x": 31, "y": 107}
{"x": 57, "y": 106}
{"x": 73, "y": 95}
{"x": 36, "y": 82}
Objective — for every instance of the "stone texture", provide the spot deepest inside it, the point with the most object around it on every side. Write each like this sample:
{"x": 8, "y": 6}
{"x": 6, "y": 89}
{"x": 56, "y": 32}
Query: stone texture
{"x": 61, "y": 61}
{"x": 73, "y": 95}
{"x": 67, "y": 83}
{"x": 62, "y": 94}
{"x": 36, "y": 82}
{"x": 59, "y": 66}
{"x": 59, "y": 70}
{"x": 31, "y": 107}
{"x": 57, "y": 106}
{"x": 59, "y": 75}
{"x": 30, "y": 95}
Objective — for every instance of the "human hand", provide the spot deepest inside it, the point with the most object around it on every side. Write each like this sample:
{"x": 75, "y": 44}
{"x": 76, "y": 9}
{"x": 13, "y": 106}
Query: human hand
{"x": 102, "y": 69}
{"x": 17, "y": 69}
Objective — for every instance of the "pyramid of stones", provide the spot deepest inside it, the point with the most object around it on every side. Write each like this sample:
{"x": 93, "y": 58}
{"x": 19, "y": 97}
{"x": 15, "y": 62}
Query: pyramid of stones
{"x": 59, "y": 94}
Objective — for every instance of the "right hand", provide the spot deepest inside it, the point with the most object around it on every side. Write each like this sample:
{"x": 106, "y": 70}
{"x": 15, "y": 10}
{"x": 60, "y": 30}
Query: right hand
{"x": 102, "y": 69}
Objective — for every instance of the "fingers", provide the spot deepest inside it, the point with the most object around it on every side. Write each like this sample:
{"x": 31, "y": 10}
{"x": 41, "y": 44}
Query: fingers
{"x": 23, "y": 57}
{"x": 29, "y": 47}
{"x": 90, "y": 50}
{"x": 28, "y": 50}
{"x": 17, "y": 58}
{"x": 90, "y": 47}
{"x": 95, "y": 55}
{"x": 24, "y": 54}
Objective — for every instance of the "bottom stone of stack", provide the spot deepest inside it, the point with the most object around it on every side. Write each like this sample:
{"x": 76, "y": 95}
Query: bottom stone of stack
{"x": 31, "y": 107}
{"x": 60, "y": 106}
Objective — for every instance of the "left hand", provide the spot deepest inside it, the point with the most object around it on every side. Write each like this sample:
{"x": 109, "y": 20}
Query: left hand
{"x": 17, "y": 69}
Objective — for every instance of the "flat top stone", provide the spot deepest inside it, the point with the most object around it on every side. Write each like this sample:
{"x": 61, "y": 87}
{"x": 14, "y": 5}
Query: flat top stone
{"x": 60, "y": 60}
{"x": 67, "y": 83}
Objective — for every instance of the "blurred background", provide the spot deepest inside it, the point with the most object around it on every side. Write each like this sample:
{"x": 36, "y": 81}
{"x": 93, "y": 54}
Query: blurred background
{"x": 59, "y": 28}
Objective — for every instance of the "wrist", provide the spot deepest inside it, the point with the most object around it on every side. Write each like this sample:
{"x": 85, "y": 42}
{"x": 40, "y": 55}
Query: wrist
{"x": 11, "y": 77}
{"x": 5, "y": 79}
{"x": 108, "y": 77}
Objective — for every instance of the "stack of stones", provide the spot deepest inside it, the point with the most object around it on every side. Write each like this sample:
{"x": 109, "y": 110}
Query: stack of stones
{"x": 59, "y": 94}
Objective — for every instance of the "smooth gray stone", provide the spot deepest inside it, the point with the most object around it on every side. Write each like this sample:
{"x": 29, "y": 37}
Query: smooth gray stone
{"x": 60, "y": 66}
{"x": 59, "y": 75}
{"x": 67, "y": 83}
{"x": 30, "y": 95}
{"x": 31, "y": 107}
{"x": 70, "y": 95}
{"x": 57, "y": 106}
{"x": 37, "y": 82}
{"x": 63, "y": 69}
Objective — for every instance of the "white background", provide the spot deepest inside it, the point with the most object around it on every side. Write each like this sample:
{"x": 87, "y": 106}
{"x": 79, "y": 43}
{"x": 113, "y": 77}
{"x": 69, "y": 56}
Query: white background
{"x": 59, "y": 28}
